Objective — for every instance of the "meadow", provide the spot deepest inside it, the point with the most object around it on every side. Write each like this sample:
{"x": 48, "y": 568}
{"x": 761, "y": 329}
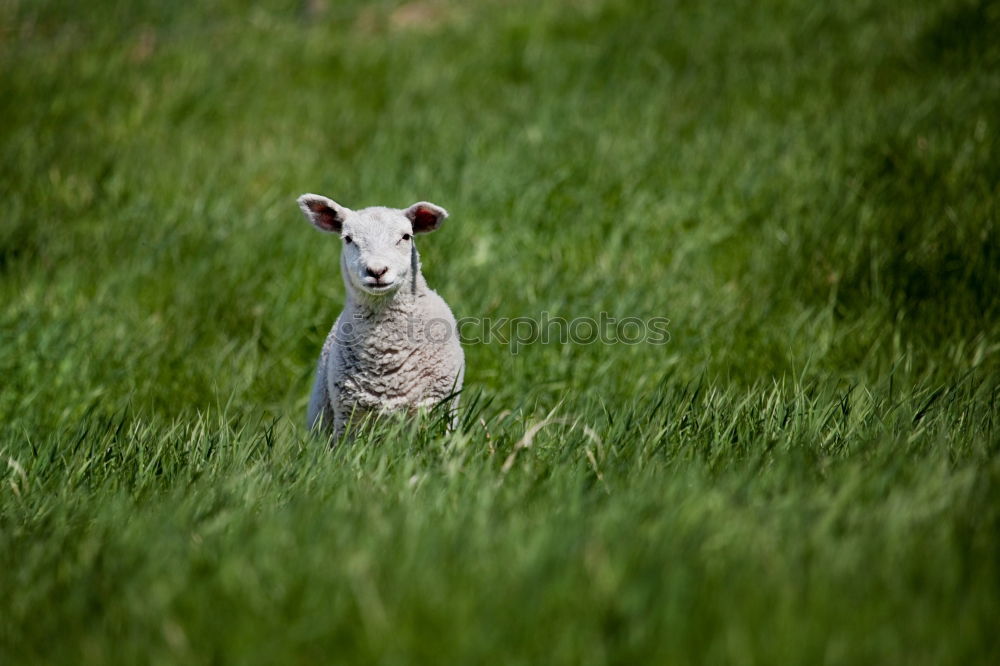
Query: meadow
{"x": 806, "y": 472}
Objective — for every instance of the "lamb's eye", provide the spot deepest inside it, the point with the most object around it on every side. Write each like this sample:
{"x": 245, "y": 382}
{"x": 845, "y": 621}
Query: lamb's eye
{"x": 348, "y": 240}
{"x": 406, "y": 236}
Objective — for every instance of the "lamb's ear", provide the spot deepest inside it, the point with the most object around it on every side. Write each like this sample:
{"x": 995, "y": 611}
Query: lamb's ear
{"x": 325, "y": 214}
{"x": 425, "y": 216}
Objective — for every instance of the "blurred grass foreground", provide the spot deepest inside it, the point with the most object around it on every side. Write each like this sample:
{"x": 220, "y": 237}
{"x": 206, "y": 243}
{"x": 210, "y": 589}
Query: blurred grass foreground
{"x": 806, "y": 472}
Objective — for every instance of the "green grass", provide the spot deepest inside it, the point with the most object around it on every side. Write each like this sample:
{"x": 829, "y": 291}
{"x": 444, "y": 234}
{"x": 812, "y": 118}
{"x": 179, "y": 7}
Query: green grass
{"x": 806, "y": 473}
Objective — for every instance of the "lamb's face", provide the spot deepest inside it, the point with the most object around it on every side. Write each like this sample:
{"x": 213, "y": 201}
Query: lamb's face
{"x": 378, "y": 254}
{"x": 378, "y": 243}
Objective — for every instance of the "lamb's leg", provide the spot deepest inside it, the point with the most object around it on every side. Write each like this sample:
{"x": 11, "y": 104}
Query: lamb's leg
{"x": 320, "y": 413}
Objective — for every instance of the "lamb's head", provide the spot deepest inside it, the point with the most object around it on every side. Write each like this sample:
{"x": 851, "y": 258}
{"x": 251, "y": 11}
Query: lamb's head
{"x": 378, "y": 255}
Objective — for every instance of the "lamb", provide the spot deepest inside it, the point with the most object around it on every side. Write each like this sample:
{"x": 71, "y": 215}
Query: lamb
{"x": 395, "y": 345}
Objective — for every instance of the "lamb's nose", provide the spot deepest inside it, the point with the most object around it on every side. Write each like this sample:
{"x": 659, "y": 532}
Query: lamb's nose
{"x": 377, "y": 271}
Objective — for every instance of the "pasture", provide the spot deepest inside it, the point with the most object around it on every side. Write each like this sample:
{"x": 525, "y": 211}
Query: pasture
{"x": 805, "y": 471}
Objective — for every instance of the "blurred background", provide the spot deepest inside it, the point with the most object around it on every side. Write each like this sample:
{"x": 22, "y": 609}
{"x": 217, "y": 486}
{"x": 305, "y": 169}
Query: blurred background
{"x": 799, "y": 189}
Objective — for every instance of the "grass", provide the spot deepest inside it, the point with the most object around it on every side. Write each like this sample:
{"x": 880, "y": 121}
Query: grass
{"x": 807, "y": 472}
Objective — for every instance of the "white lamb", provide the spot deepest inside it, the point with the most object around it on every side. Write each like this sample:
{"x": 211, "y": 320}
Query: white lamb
{"x": 395, "y": 346}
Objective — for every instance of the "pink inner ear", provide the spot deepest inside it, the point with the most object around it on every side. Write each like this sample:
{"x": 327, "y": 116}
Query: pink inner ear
{"x": 424, "y": 218}
{"x": 326, "y": 217}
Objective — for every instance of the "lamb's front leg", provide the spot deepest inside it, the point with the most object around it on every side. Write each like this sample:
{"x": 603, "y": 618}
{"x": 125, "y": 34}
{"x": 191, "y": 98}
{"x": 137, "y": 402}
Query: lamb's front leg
{"x": 320, "y": 413}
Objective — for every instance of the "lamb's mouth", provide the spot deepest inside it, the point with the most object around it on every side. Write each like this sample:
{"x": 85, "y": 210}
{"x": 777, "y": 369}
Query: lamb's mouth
{"x": 378, "y": 287}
